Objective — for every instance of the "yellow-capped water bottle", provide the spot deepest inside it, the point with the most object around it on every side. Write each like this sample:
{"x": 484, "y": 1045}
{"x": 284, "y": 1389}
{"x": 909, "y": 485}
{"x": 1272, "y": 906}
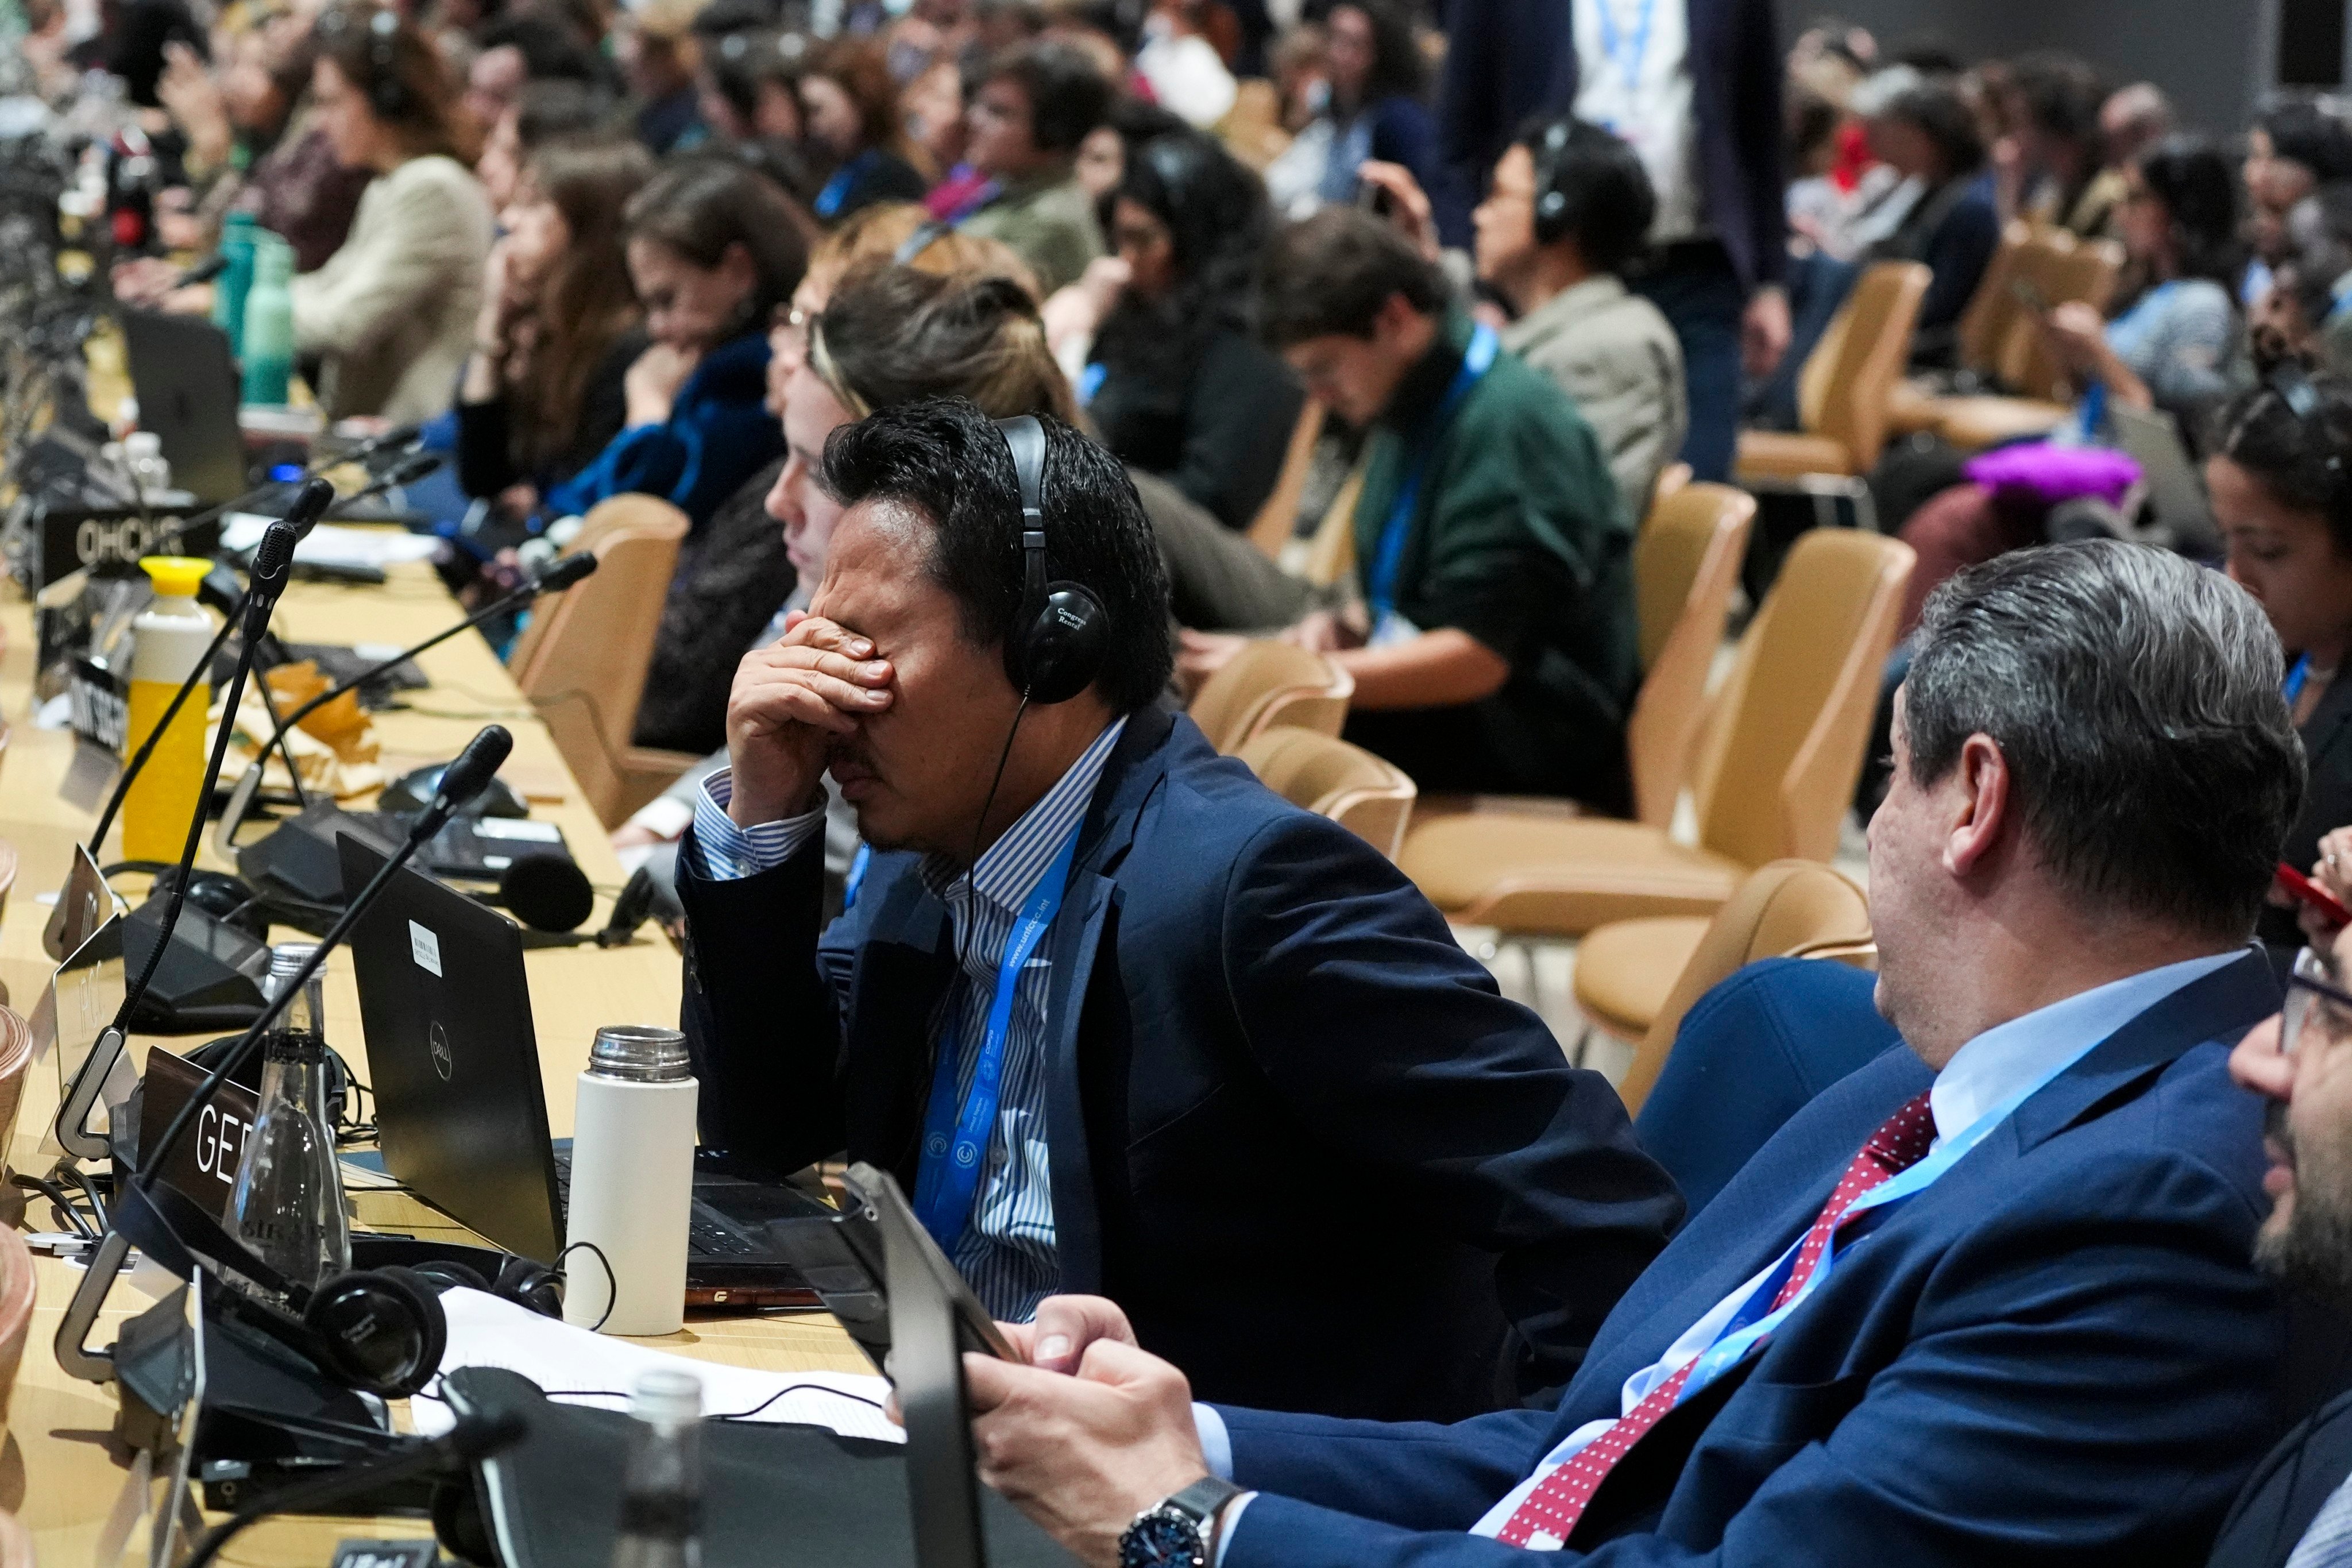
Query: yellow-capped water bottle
{"x": 169, "y": 640}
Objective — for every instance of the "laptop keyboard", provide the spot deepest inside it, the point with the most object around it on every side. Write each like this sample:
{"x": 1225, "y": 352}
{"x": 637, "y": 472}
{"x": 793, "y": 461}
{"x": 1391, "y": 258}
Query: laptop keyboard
{"x": 707, "y": 1235}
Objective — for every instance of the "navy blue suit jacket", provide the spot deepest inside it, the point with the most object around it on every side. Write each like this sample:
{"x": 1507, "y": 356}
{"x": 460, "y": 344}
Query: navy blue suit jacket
{"x": 1293, "y": 1129}
{"x": 1507, "y": 59}
{"x": 2058, "y": 1353}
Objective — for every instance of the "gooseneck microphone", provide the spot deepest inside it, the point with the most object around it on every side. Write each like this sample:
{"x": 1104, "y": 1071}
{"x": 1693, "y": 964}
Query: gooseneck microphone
{"x": 473, "y": 1438}
{"x": 561, "y": 574}
{"x": 460, "y": 782}
{"x": 272, "y": 564}
{"x": 303, "y": 516}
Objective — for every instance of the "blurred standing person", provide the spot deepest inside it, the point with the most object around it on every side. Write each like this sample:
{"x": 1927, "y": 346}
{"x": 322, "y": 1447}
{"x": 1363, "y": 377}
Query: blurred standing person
{"x": 1695, "y": 87}
{"x": 1033, "y": 107}
{"x": 1371, "y": 108}
{"x": 850, "y": 106}
{"x": 391, "y": 312}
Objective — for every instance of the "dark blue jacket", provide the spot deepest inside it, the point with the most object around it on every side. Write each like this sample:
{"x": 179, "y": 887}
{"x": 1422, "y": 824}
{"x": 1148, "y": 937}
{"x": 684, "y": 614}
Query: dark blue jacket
{"x": 2057, "y": 1355}
{"x": 1507, "y": 59}
{"x": 1295, "y": 1129}
{"x": 719, "y": 434}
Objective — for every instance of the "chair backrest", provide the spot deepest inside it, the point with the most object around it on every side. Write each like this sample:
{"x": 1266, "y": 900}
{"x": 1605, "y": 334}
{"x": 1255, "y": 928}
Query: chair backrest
{"x": 17, "y": 1284}
{"x": 2065, "y": 271}
{"x": 582, "y": 659}
{"x": 1804, "y": 706}
{"x": 1684, "y": 564}
{"x": 1329, "y": 553}
{"x": 1992, "y": 310}
{"x": 1267, "y": 685}
{"x": 1368, "y": 795}
{"x": 1671, "y": 478}
{"x": 1844, "y": 389}
{"x": 1789, "y": 908}
{"x": 1277, "y": 519}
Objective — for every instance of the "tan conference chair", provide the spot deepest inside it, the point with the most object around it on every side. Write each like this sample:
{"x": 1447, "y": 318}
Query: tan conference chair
{"x": 1271, "y": 684}
{"x": 1637, "y": 978}
{"x": 1844, "y": 394}
{"x": 2061, "y": 269}
{"x": 1368, "y": 795}
{"x": 1780, "y": 785}
{"x": 581, "y": 661}
{"x": 1276, "y": 522}
{"x": 17, "y": 1283}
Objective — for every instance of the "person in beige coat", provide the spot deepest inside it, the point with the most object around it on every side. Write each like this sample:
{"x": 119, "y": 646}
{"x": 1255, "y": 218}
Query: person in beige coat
{"x": 391, "y": 313}
{"x": 1565, "y": 215}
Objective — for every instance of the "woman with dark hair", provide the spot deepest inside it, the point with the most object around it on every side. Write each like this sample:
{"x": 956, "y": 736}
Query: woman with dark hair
{"x": 392, "y": 311}
{"x": 713, "y": 248}
{"x": 850, "y": 106}
{"x": 748, "y": 85}
{"x": 1923, "y": 129}
{"x": 2279, "y": 492}
{"x": 543, "y": 389}
{"x": 1178, "y": 384}
{"x": 1375, "y": 75}
{"x": 2178, "y": 346}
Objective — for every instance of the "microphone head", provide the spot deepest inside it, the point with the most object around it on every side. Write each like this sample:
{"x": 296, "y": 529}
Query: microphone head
{"x": 571, "y": 569}
{"x": 467, "y": 777}
{"x": 271, "y": 558}
{"x": 398, "y": 437}
{"x": 413, "y": 468}
{"x": 310, "y": 504}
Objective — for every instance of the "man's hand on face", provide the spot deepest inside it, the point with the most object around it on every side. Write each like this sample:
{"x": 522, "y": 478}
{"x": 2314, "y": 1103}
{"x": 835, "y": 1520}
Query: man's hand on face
{"x": 1083, "y": 1455}
{"x": 792, "y": 702}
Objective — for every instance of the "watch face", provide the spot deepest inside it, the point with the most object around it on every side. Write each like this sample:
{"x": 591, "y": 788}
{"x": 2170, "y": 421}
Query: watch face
{"x": 1161, "y": 1538}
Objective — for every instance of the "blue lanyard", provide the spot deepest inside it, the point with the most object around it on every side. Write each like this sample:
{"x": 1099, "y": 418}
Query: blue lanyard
{"x": 837, "y": 190}
{"x": 1756, "y": 1320}
{"x": 1476, "y": 360}
{"x": 856, "y": 878}
{"x": 1624, "y": 53}
{"x": 955, "y": 1140}
{"x": 2293, "y": 688}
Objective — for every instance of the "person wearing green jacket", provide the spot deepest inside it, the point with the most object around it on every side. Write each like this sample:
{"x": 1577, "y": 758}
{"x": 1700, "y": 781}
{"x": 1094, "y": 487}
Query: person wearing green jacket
{"x": 1495, "y": 648}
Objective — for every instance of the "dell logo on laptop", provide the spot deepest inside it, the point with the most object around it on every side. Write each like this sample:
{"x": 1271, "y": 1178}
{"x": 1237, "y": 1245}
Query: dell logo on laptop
{"x": 438, "y": 1040}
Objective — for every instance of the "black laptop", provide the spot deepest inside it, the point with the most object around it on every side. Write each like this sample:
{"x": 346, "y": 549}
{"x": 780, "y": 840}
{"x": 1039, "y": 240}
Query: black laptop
{"x": 186, "y": 381}
{"x": 461, "y": 1114}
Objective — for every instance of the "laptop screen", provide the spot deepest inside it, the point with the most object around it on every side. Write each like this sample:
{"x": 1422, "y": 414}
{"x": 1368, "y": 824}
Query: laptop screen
{"x": 452, "y": 1058}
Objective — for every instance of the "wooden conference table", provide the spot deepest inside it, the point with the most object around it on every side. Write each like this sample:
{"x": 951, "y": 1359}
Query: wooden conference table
{"x": 58, "y": 1472}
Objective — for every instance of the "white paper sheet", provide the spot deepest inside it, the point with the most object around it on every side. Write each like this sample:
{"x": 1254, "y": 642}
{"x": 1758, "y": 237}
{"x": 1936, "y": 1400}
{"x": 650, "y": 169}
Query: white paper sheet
{"x": 486, "y": 1332}
{"x": 328, "y": 545}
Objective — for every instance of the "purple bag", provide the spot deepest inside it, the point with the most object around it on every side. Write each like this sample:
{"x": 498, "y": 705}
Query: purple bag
{"x": 2039, "y": 472}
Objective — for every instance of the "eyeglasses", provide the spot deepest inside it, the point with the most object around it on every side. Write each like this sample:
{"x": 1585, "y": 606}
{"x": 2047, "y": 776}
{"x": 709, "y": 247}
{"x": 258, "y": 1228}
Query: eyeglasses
{"x": 2313, "y": 999}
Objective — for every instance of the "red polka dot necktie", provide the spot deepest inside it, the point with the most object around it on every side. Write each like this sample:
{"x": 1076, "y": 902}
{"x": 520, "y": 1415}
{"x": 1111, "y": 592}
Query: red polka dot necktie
{"x": 1551, "y": 1509}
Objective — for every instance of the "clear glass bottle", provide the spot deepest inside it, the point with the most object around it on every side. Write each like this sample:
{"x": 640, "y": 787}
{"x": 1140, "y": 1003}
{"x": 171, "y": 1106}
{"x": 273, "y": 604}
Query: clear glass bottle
{"x": 288, "y": 1205}
{"x": 661, "y": 1504}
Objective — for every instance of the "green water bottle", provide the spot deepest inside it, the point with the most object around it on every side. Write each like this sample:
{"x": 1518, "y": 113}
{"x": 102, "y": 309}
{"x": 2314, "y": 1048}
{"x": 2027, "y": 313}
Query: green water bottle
{"x": 269, "y": 336}
{"x": 236, "y": 247}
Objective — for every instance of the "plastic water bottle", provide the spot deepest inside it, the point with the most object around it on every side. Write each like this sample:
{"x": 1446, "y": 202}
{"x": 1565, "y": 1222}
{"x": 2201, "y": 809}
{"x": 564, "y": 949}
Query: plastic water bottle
{"x": 268, "y": 334}
{"x": 238, "y": 245}
{"x": 169, "y": 639}
{"x": 661, "y": 1502}
{"x": 150, "y": 475}
{"x": 632, "y": 1184}
{"x": 288, "y": 1205}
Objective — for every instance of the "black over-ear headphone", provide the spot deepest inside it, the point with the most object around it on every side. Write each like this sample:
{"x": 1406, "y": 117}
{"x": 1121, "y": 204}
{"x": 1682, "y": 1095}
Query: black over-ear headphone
{"x": 1554, "y": 214}
{"x": 382, "y": 1331}
{"x": 1061, "y": 633}
{"x": 386, "y": 93}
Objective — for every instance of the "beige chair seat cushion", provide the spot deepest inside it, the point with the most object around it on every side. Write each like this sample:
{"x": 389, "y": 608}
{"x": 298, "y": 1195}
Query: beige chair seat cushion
{"x": 1787, "y": 455}
{"x": 1561, "y": 877}
{"x": 1972, "y": 424}
{"x": 1625, "y": 971}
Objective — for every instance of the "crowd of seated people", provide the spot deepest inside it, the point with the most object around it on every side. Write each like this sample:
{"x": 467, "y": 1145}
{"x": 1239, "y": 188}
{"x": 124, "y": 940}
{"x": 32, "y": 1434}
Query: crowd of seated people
{"x": 784, "y": 282}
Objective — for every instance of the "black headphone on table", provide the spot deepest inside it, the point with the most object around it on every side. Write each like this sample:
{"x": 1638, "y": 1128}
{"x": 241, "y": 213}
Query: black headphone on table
{"x": 386, "y": 93}
{"x": 1061, "y": 634}
{"x": 384, "y": 1331}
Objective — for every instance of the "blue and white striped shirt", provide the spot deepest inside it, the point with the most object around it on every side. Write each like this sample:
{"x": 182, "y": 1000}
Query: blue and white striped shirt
{"x": 1007, "y": 1252}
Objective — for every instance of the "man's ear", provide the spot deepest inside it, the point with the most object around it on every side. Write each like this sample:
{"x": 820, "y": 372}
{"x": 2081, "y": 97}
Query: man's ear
{"x": 1978, "y": 792}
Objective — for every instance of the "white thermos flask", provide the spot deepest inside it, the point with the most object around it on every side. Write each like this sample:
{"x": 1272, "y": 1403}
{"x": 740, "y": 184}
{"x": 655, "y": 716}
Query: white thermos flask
{"x": 632, "y": 1184}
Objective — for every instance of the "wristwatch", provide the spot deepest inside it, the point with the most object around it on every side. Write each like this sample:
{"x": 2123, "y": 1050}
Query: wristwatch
{"x": 1176, "y": 1534}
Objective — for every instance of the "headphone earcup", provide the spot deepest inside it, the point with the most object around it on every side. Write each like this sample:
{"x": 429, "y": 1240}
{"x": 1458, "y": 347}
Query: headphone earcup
{"x": 381, "y": 1330}
{"x": 1060, "y": 650}
{"x": 1551, "y": 216}
{"x": 529, "y": 1283}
